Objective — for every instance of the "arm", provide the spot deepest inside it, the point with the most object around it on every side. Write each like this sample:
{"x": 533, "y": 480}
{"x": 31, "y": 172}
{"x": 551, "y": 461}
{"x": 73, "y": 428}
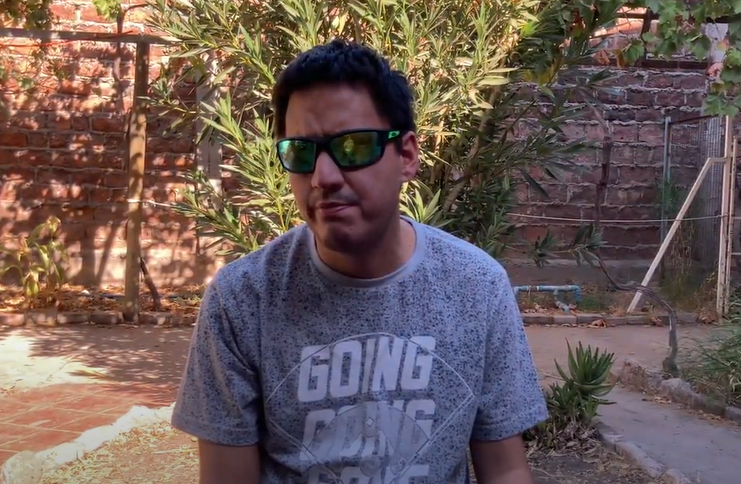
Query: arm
{"x": 221, "y": 464}
{"x": 511, "y": 399}
{"x": 219, "y": 401}
{"x": 500, "y": 462}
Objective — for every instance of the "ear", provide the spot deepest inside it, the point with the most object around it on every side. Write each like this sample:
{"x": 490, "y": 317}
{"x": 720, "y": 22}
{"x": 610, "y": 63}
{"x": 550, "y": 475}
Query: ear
{"x": 409, "y": 157}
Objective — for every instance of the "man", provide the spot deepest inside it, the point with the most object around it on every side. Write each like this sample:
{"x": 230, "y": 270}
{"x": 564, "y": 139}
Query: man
{"x": 360, "y": 347}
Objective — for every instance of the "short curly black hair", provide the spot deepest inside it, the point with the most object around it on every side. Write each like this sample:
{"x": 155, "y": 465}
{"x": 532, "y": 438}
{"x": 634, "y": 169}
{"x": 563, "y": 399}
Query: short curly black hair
{"x": 342, "y": 62}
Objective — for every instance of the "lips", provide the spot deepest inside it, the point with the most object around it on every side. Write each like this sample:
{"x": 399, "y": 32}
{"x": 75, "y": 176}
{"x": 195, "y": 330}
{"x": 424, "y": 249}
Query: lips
{"x": 331, "y": 209}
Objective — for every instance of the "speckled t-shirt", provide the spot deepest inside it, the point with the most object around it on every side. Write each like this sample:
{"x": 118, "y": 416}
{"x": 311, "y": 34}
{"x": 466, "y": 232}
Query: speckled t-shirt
{"x": 350, "y": 381}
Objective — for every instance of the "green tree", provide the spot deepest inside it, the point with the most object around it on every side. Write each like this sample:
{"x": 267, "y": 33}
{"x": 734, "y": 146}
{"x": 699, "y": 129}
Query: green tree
{"x": 492, "y": 80}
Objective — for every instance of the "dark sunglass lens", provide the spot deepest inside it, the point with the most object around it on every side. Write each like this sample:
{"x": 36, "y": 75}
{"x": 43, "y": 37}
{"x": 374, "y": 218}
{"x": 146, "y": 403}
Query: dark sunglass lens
{"x": 297, "y": 155}
{"x": 356, "y": 149}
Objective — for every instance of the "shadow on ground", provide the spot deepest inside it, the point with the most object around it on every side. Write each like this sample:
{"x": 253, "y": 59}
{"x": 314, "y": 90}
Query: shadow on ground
{"x": 146, "y": 362}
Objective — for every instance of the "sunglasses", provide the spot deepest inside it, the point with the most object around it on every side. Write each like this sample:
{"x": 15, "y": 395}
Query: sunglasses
{"x": 350, "y": 150}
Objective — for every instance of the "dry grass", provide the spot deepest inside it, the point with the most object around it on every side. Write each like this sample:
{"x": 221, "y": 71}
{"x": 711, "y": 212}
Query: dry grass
{"x": 180, "y": 300}
{"x": 158, "y": 454}
{"x": 164, "y": 455}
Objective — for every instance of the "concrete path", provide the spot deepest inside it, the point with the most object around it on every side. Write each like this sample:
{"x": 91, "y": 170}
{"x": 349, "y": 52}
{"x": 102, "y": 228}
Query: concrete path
{"x": 705, "y": 450}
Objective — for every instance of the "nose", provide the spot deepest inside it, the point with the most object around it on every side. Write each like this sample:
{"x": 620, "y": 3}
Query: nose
{"x": 327, "y": 176}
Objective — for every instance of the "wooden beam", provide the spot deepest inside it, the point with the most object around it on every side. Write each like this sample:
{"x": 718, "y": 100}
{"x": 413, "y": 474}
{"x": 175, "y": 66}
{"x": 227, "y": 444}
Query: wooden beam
{"x": 673, "y": 230}
{"x": 137, "y": 135}
{"x": 57, "y": 35}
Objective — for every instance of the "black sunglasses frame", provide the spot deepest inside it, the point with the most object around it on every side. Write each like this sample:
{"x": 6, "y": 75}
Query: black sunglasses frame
{"x": 323, "y": 144}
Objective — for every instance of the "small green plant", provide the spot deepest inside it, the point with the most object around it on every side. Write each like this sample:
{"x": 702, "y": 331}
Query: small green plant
{"x": 597, "y": 302}
{"x": 39, "y": 260}
{"x": 574, "y": 402}
{"x": 713, "y": 366}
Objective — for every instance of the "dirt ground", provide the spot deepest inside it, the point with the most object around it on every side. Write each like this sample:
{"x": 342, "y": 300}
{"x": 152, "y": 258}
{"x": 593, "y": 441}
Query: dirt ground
{"x": 182, "y": 300}
{"x": 161, "y": 454}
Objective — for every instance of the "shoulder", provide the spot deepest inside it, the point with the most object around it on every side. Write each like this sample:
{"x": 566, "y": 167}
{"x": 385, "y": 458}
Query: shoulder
{"x": 258, "y": 270}
{"x": 457, "y": 258}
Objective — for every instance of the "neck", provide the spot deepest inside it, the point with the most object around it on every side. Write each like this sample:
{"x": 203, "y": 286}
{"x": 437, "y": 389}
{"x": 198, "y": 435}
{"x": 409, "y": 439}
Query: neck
{"x": 394, "y": 249}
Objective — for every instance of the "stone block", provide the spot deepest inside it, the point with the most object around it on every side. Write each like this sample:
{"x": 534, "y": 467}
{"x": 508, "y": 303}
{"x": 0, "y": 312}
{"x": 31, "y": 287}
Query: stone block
{"x": 42, "y": 318}
{"x": 586, "y": 318}
{"x": 625, "y": 320}
{"x": 12, "y": 319}
{"x": 564, "y": 319}
{"x": 73, "y": 318}
{"x": 537, "y": 318}
{"x": 733, "y": 413}
{"x": 158, "y": 319}
{"x": 105, "y": 317}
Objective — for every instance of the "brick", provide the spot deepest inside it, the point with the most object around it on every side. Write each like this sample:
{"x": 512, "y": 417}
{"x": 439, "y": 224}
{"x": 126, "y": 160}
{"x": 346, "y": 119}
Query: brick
{"x": 11, "y": 139}
{"x": 651, "y": 134}
{"x": 690, "y": 81}
{"x": 632, "y": 196}
{"x": 59, "y": 121}
{"x": 108, "y": 123}
{"x": 641, "y": 173}
{"x": 662, "y": 81}
{"x": 625, "y": 133}
{"x": 80, "y": 123}
{"x": 638, "y": 235}
{"x": 113, "y": 213}
{"x": 64, "y": 11}
{"x": 670, "y": 98}
{"x": 639, "y": 98}
{"x": 622, "y": 154}
{"x": 624, "y": 115}
{"x": 75, "y": 88}
{"x": 649, "y": 114}
{"x": 17, "y": 173}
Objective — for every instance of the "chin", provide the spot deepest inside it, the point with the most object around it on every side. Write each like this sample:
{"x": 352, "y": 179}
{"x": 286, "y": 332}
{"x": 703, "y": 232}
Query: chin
{"x": 341, "y": 239}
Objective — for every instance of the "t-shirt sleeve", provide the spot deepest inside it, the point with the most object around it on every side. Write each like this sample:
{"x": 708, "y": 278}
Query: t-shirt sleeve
{"x": 219, "y": 399}
{"x": 512, "y": 400}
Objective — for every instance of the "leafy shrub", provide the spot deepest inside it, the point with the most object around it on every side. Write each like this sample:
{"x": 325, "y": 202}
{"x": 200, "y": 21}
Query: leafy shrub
{"x": 713, "y": 366}
{"x": 492, "y": 79}
{"x": 39, "y": 262}
{"x": 574, "y": 402}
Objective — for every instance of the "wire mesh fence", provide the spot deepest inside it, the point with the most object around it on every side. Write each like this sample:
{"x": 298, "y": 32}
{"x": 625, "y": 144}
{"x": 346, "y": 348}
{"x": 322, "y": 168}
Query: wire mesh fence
{"x": 689, "y": 270}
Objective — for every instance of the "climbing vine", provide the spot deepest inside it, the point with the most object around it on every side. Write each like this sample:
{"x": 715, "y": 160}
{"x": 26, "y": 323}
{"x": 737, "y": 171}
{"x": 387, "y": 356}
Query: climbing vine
{"x": 683, "y": 25}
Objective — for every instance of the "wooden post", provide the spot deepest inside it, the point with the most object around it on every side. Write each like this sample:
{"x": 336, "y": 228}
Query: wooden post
{"x": 137, "y": 135}
{"x": 208, "y": 151}
{"x": 673, "y": 229}
{"x": 721, "y": 290}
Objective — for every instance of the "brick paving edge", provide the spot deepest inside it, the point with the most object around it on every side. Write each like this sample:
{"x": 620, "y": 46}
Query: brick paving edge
{"x": 634, "y": 376}
{"x": 29, "y": 468}
{"x": 50, "y": 318}
{"x": 655, "y": 470}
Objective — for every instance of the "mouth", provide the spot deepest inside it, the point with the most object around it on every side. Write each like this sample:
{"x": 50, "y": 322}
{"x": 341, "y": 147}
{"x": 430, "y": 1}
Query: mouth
{"x": 331, "y": 209}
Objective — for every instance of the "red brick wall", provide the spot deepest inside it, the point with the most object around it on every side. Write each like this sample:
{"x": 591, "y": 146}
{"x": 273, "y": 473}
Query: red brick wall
{"x": 636, "y": 112}
{"x": 62, "y": 152}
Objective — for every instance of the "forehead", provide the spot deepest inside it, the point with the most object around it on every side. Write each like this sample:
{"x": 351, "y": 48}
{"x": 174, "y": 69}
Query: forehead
{"x": 328, "y": 109}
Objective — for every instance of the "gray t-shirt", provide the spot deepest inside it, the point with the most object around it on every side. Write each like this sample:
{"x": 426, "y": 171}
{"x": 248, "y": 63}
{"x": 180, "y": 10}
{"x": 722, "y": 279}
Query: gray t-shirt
{"x": 351, "y": 381}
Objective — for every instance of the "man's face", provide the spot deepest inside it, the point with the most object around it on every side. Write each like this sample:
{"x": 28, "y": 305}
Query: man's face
{"x": 348, "y": 211}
